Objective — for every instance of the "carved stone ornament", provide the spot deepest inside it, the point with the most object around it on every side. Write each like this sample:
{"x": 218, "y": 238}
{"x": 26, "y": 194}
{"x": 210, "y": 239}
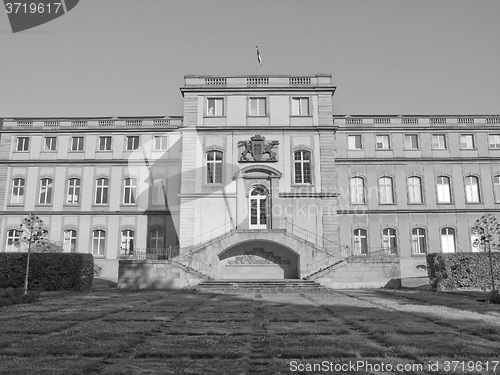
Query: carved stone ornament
{"x": 258, "y": 150}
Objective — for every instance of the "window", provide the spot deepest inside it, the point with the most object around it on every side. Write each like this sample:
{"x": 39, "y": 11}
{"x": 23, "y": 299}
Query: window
{"x": 50, "y": 143}
{"x": 257, "y": 106}
{"x": 494, "y": 141}
{"x": 12, "y": 240}
{"x": 156, "y": 239}
{"x": 300, "y": 106}
{"x": 76, "y": 143}
{"x": 45, "y": 196}
{"x": 357, "y": 190}
{"x": 467, "y": 141}
{"x": 132, "y": 142}
{"x": 418, "y": 244}
{"x": 302, "y": 167}
{"x": 386, "y": 193}
{"x": 414, "y": 189}
{"x": 129, "y": 190}
{"x": 383, "y": 142}
{"x": 101, "y": 191}
{"x": 69, "y": 241}
{"x": 448, "y": 240}
{"x": 389, "y": 240}
{"x": 215, "y": 107}
{"x": 496, "y": 187}
{"x": 23, "y": 144}
{"x": 214, "y": 167}
{"x": 73, "y": 196}
{"x": 354, "y": 142}
{"x": 127, "y": 242}
{"x": 17, "y": 196}
{"x": 159, "y": 191}
{"x": 98, "y": 242}
{"x": 360, "y": 241}
{"x": 411, "y": 141}
{"x": 105, "y": 143}
{"x": 443, "y": 189}
{"x": 160, "y": 142}
{"x": 472, "y": 194}
{"x": 439, "y": 141}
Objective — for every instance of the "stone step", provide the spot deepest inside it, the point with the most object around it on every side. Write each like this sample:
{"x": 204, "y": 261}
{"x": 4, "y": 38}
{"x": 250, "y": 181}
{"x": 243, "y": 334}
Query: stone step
{"x": 255, "y": 284}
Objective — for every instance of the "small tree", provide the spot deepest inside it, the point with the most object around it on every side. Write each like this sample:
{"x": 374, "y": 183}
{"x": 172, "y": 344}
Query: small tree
{"x": 487, "y": 228}
{"x": 30, "y": 234}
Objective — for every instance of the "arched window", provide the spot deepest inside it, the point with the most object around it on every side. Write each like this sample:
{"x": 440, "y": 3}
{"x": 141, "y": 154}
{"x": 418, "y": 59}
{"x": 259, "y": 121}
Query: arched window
{"x": 389, "y": 240}
{"x": 448, "y": 240}
{"x": 214, "y": 167}
{"x": 70, "y": 240}
{"x": 443, "y": 189}
{"x": 357, "y": 185}
{"x": 45, "y": 196}
{"x": 101, "y": 190}
{"x": 418, "y": 242}
{"x": 302, "y": 167}
{"x": 156, "y": 239}
{"x": 129, "y": 190}
{"x": 17, "y": 196}
{"x": 158, "y": 192}
{"x": 414, "y": 189}
{"x": 98, "y": 242}
{"x": 360, "y": 241}
{"x": 12, "y": 237}
{"x": 472, "y": 194}
{"x": 127, "y": 242}
{"x": 73, "y": 195}
{"x": 386, "y": 190}
{"x": 496, "y": 187}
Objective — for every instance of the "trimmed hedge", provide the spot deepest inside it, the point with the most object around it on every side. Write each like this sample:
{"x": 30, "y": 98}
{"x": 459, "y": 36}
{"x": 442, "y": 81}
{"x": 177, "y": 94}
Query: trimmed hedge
{"x": 48, "y": 271}
{"x": 462, "y": 270}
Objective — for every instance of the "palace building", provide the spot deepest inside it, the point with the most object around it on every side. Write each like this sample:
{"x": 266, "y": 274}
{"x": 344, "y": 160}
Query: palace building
{"x": 259, "y": 179}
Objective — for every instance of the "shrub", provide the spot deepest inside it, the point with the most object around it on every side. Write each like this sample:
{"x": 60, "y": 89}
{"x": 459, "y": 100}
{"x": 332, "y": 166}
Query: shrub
{"x": 47, "y": 246}
{"x": 48, "y": 271}
{"x": 11, "y": 296}
{"x": 494, "y": 297}
{"x": 462, "y": 270}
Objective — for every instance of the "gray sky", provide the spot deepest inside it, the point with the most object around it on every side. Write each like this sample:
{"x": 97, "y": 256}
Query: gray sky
{"x": 128, "y": 57}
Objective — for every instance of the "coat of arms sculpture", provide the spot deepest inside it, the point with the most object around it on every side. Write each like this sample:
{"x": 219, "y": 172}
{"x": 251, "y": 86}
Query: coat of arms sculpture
{"x": 257, "y": 147}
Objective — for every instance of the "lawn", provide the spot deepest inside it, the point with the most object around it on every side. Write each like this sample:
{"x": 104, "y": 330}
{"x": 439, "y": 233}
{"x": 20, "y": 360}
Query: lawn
{"x": 111, "y": 331}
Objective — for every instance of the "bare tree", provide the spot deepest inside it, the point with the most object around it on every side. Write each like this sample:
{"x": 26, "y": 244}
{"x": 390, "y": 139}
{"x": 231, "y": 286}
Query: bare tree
{"x": 30, "y": 234}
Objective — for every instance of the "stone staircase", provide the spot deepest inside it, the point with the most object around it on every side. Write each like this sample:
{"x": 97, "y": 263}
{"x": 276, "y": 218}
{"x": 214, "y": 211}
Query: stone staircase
{"x": 259, "y": 284}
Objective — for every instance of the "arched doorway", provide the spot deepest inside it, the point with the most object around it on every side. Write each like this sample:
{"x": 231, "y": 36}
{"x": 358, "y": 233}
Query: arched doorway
{"x": 258, "y": 200}
{"x": 258, "y": 259}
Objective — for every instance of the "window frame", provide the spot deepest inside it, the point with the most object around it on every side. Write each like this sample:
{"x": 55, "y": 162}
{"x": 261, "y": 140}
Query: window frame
{"x": 300, "y": 107}
{"x": 363, "y": 187}
{"x": 47, "y": 191}
{"x": 472, "y": 139}
{"x": 103, "y": 189}
{"x": 380, "y": 195}
{"x": 496, "y": 188}
{"x": 450, "y": 191}
{"x": 132, "y": 146}
{"x": 360, "y": 250}
{"x": 215, "y": 113}
{"x": 257, "y": 99}
{"x": 409, "y": 189}
{"x": 126, "y": 250}
{"x": 20, "y": 188}
{"x": 80, "y": 143}
{"x": 163, "y": 143}
{"x": 156, "y": 239}
{"x": 11, "y": 248}
{"x": 355, "y": 136}
{"x": 129, "y": 191}
{"x": 393, "y": 249}
{"x": 217, "y": 165}
{"x": 478, "y": 191}
{"x": 387, "y": 146}
{"x": 417, "y": 138}
{"x": 70, "y": 238}
{"x": 445, "y": 141}
{"x": 424, "y": 242}
{"x": 98, "y": 253}
{"x": 302, "y": 163}
{"x": 106, "y": 138}
{"x": 441, "y": 240}
{"x": 78, "y": 192}
{"x": 51, "y": 146}
{"x": 496, "y": 144}
{"x": 22, "y": 144}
